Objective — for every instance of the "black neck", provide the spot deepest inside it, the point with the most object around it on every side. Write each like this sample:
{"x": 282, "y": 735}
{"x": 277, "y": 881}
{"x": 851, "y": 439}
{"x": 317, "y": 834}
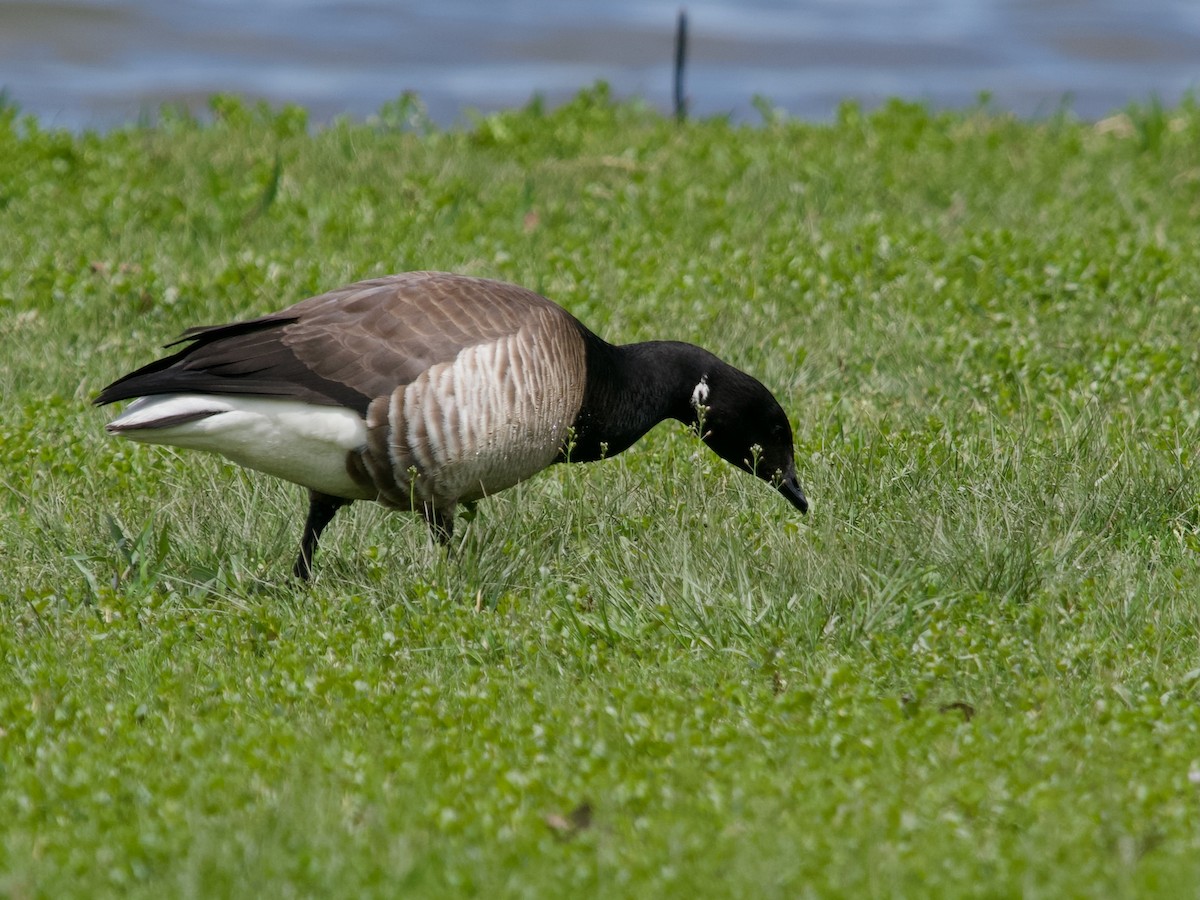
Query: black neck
{"x": 631, "y": 388}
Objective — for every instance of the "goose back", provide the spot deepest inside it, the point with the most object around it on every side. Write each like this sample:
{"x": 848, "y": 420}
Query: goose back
{"x": 345, "y": 347}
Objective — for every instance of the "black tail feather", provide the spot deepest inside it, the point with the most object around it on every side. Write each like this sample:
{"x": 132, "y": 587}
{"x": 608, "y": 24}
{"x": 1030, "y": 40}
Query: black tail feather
{"x": 242, "y": 358}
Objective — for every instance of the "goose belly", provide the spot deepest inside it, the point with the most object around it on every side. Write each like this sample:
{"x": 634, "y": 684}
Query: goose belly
{"x": 496, "y": 414}
{"x": 299, "y": 442}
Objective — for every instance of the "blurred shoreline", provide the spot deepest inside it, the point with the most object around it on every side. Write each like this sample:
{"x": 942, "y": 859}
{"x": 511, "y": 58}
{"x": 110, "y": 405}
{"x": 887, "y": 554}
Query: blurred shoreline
{"x": 99, "y": 63}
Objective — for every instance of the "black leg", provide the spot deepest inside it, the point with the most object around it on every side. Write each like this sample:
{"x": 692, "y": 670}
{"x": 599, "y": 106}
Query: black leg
{"x": 321, "y": 510}
{"x": 440, "y": 522}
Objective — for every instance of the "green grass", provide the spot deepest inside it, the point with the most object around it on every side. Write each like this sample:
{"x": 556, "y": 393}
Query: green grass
{"x": 973, "y": 670}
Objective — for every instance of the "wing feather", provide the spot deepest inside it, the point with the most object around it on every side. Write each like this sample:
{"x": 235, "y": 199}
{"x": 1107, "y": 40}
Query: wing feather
{"x": 345, "y": 347}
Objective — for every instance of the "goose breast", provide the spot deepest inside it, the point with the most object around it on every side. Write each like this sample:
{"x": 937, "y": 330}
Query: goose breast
{"x": 495, "y": 414}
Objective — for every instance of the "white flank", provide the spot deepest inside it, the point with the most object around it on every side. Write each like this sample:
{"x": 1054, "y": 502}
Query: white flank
{"x": 700, "y": 392}
{"x": 299, "y": 442}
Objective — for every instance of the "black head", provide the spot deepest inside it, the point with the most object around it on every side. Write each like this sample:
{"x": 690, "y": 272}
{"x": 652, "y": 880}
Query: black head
{"x": 745, "y": 425}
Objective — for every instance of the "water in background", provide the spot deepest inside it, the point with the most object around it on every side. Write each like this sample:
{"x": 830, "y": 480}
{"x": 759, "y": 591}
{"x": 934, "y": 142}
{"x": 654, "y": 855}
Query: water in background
{"x": 95, "y": 63}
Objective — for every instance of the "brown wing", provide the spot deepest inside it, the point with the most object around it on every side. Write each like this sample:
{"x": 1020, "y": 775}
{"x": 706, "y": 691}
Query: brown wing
{"x": 345, "y": 347}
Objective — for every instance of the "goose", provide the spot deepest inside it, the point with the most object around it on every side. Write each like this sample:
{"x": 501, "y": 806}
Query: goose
{"x": 425, "y": 390}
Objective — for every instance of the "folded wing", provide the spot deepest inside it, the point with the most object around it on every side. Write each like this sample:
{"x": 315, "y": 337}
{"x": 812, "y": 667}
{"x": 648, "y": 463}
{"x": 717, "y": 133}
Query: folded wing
{"x": 343, "y": 348}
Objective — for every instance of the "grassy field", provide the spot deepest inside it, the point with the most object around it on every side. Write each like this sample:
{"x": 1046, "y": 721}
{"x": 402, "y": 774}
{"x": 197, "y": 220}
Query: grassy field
{"x": 972, "y": 670}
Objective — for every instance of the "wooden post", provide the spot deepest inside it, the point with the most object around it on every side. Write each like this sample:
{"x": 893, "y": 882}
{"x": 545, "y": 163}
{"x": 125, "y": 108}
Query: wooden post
{"x": 680, "y": 60}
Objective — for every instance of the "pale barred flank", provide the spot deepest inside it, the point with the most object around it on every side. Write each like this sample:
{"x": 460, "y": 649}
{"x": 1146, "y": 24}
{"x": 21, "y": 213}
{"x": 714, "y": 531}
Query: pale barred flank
{"x": 496, "y": 414}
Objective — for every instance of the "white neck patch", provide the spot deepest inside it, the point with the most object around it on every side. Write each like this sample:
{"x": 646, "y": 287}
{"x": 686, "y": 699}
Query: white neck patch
{"x": 700, "y": 392}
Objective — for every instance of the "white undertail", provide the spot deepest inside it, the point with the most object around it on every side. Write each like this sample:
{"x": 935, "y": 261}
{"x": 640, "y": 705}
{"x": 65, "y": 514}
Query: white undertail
{"x": 300, "y": 442}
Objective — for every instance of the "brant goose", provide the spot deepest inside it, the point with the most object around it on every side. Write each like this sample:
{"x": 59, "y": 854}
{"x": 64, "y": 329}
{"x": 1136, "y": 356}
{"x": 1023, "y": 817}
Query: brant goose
{"x": 424, "y": 390}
